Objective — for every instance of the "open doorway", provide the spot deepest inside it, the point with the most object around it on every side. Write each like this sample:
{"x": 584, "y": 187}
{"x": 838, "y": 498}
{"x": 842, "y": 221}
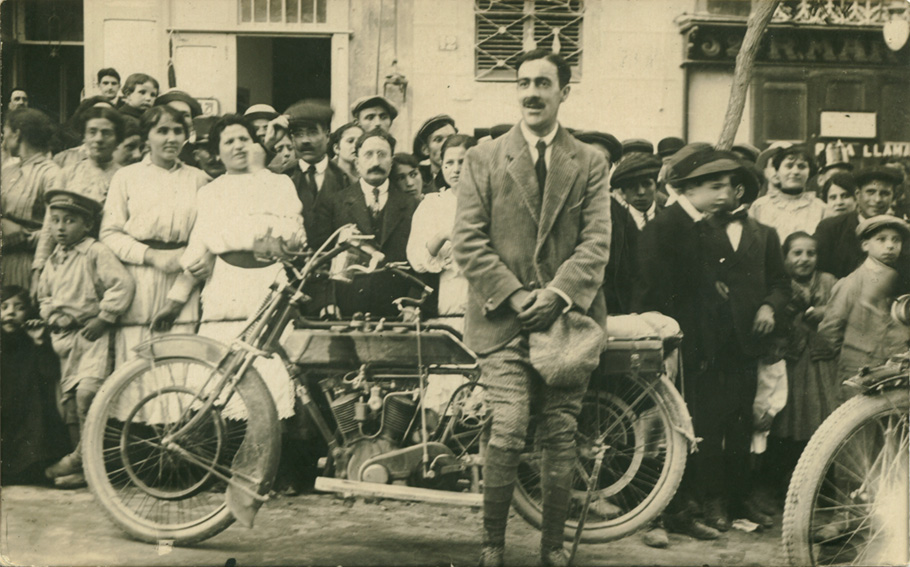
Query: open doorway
{"x": 282, "y": 70}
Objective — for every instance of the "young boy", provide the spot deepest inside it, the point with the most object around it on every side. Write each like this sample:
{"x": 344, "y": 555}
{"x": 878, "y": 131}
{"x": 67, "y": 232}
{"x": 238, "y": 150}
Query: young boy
{"x": 858, "y": 328}
{"x": 139, "y": 92}
{"x": 722, "y": 280}
{"x": 33, "y": 435}
{"x": 792, "y": 209}
{"x": 81, "y": 292}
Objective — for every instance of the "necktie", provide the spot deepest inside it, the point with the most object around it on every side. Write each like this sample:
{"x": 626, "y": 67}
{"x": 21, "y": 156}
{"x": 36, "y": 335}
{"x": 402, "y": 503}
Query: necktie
{"x": 374, "y": 207}
{"x": 541, "y": 166}
{"x": 724, "y": 219}
{"x": 311, "y": 179}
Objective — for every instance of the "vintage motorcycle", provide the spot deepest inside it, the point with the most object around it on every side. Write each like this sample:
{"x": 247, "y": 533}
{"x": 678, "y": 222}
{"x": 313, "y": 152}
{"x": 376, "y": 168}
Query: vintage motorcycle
{"x": 185, "y": 439}
{"x": 849, "y": 498}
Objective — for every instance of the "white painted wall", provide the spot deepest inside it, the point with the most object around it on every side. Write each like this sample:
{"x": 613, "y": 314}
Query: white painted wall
{"x": 709, "y": 91}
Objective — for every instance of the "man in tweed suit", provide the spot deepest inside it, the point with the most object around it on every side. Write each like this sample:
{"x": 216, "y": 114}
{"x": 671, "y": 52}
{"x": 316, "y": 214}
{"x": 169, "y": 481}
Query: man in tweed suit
{"x": 532, "y": 236}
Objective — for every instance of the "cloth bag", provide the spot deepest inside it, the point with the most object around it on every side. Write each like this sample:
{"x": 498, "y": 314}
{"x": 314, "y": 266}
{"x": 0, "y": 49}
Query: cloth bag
{"x": 567, "y": 353}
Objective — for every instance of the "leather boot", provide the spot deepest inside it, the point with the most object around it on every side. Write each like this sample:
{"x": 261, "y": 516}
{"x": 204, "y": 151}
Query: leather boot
{"x": 500, "y": 470}
{"x": 557, "y": 473}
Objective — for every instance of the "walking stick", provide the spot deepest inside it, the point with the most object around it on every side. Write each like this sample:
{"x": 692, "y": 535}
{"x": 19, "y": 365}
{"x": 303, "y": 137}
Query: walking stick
{"x": 600, "y": 449}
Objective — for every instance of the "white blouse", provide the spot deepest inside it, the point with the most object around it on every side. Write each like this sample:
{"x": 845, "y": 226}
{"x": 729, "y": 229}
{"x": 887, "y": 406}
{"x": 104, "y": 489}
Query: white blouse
{"x": 435, "y": 214}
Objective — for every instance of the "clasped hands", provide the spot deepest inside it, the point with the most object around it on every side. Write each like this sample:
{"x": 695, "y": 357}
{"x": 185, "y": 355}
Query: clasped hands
{"x": 537, "y": 309}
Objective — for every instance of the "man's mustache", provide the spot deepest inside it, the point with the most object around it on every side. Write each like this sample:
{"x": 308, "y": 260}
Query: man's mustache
{"x": 377, "y": 169}
{"x": 533, "y": 102}
{"x": 305, "y": 148}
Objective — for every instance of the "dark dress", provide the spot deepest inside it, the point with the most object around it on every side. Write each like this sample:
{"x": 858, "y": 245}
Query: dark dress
{"x": 813, "y": 391}
{"x": 32, "y": 433}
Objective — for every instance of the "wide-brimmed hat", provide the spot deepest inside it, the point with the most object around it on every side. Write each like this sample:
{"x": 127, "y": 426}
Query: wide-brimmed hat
{"x": 879, "y": 173}
{"x": 609, "y": 141}
{"x": 872, "y": 224}
{"x": 182, "y": 96}
{"x": 428, "y": 127}
{"x": 260, "y": 111}
{"x": 708, "y": 161}
{"x": 633, "y": 166}
{"x": 75, "y": 202}
{"x": 374, "y": 100}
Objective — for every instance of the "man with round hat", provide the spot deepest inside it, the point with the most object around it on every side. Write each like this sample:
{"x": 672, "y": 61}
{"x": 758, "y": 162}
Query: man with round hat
{"x": 374, "y": 111}
{"x": 428, "y": 149}
{"x": 669, "y": 146}
{"x": 181, "y": 101}
{"x": 636, "y": 179}
{"x": 640, "y": 145}
{"x": 839, "y": 250}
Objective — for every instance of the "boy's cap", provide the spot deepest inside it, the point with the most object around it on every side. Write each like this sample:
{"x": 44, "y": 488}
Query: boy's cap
{"x": 374, "y": 100}
{"x": 182, "y": 96}
{"x": 868, "y": 226}
{"x": 669, "y": 146}
{"x": 637, "y": 145}
{"x": 635, "y": 165}
{"x": 708, "y": 161}
{"x": 886, "y": 174}
{"x": 258, "y": 111}
{"x": 75, "y": 202}
{"x": 428, "y": 127}
{"x": 747, "y": 149}
{"x": 609, "y": 141}
{"x": 305, "y": 111}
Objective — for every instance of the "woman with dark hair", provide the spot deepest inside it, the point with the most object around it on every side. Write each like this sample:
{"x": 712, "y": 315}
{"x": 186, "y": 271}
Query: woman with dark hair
{"x": 343, "y": 141}
{"x": 233, "y": 210}
{"x": 73, "y": 132}
{"x": 148, "y": 216}
{"x": 839, "y": 194}
{"x": 27, "y": 136}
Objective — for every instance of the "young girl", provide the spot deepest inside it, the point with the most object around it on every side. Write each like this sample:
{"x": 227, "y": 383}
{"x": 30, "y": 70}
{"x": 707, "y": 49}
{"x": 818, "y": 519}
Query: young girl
{"x": 812, "y": 389}
{"x": 430, "y": 245}
{"x": 139, "y": 92}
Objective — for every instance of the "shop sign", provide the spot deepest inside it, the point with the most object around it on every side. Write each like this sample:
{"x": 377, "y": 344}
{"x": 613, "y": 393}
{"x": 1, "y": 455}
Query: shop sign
{"x": 868, "y": 150}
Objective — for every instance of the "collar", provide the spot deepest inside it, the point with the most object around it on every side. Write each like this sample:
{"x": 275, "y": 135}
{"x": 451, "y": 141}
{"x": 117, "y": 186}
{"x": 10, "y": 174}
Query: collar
{"x": 37, "y": 158}
{"x": 531, "y": 138}
{"x": 147, "y": 160}
{"x": 689, "y": 208}
{"x": 81, "y": 247}
{"x": 368, "y": 189}
{"x": 877, "y": 266}
{"x": 321, "y": 165}
{"x": 799, "y": 200}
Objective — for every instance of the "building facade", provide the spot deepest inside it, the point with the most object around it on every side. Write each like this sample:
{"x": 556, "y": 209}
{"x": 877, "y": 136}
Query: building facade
{"x": 641, "y": 68}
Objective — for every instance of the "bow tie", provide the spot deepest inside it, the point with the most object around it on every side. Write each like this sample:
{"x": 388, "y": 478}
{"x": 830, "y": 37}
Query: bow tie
{"x": 726, "y": 218}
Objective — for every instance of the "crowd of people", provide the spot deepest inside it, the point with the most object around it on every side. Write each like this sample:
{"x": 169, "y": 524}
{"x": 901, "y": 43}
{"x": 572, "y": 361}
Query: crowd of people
{"x": 125, "y": 223}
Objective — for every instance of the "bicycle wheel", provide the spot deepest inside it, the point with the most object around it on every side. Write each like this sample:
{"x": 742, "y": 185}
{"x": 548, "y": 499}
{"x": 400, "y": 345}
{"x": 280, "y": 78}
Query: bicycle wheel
{"x": 157, "y": 484}
{"x": 642, "y": 467}
{"x": 848, "y": 498}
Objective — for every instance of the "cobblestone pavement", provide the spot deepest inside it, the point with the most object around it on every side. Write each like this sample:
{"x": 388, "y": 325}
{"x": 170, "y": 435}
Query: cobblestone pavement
{"x": 42, "y": 526}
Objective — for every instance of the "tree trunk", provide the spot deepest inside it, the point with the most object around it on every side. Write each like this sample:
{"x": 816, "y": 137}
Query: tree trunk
{"x": 759, "y": 18}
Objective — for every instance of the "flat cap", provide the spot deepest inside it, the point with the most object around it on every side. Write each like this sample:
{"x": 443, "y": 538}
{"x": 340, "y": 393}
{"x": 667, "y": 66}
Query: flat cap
{"x": 708, "y": 161}
{"x": 669, "y": 146}
{"x": 181, "y": 96}
{"x": 428, "y": 127}
{"x": 746, "y": 151}
{"x": 67, "y": 200}
{"x": 637, "y": 145}
{"x": 371, "y": 101}
{"x": 872, "y": 224}
{"x": 258, "y": 111}
{"x": 609, "y": 141}
{"x": 886, "y": 174}
{"x": 633, "y": 166}
{"x": 309, "y": 111}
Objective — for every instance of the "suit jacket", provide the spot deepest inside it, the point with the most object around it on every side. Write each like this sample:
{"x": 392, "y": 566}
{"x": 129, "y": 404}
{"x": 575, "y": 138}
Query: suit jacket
{"x": 670, "y": 278}
{"x": 508, "y": 236}
{"x": 840, "y": 251}
{"x": 334, "y": 181}
{"x": 373, "y": 293}
{"x": 755, "y": 275}
{"x": 619, "y": 277}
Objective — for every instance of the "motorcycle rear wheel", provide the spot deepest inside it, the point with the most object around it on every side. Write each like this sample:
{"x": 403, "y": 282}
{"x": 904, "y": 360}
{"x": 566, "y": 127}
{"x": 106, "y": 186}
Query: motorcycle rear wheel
{"x": 642, "y": 467}
{"x": 160, "y": 491}
{"x": 847, "y": 500}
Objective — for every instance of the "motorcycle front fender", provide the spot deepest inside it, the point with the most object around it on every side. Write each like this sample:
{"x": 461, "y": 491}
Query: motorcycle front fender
{"x": 256, "y": 462}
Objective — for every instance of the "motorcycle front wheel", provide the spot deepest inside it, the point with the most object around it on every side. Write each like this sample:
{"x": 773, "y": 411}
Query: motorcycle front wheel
{"x": 848, "y": 498}
{"x": 160, "y": 485}
{"x": 642, "y": 467}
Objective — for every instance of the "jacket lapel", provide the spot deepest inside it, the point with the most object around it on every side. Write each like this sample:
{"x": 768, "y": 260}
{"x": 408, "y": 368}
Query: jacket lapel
{"x": 356, "y": 209}
{"x": 747, "y": 242}
{"x": 561, "y": 177}
{"x": 521, "y": 170}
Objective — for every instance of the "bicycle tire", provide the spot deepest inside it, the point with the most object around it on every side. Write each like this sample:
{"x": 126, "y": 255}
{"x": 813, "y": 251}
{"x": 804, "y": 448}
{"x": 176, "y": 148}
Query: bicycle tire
{"x": 812, "y": 471}
{"x": 256, "y": 454}
{"x": 659, "y": 401}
